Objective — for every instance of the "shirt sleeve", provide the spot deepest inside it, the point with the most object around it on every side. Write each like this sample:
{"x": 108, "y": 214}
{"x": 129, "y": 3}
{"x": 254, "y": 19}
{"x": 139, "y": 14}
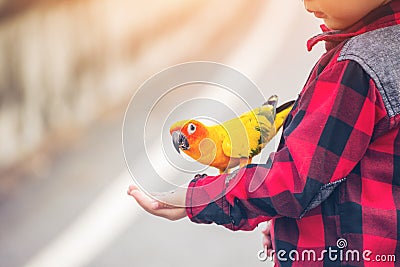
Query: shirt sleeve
{"x": 328, "y": 133}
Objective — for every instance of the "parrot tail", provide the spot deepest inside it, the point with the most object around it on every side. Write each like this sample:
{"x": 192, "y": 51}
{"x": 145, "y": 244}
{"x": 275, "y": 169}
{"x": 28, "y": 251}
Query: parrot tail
{"x": 281, "y": 113}
{"x": 284, "y": 106}
{"x": 272, "y": 100}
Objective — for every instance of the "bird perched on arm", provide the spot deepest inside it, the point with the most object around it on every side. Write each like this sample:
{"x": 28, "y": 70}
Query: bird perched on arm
{"x": 234, "y": 142}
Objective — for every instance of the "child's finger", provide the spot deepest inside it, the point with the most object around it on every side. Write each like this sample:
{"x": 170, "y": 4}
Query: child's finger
{"x": 267, "y": 229}
{"x": 266, "y": 240}
{"x": 269, "y": 252}
{"x": 163, "y": 200}
{"x": 131, "y": 188}
{"x": 143, "y": 200}
{"x": 267, "y": 243}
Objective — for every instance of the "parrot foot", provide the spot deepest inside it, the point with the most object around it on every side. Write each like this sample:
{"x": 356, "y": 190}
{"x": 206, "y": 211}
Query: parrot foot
{"x": 200, "y": 176}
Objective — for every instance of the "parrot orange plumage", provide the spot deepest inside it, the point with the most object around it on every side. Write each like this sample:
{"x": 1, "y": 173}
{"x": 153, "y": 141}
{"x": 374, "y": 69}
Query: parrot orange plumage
{"x": 234, "y": 142}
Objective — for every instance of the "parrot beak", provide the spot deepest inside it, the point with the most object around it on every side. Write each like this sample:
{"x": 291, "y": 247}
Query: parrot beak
{"x": 180, "y": 141}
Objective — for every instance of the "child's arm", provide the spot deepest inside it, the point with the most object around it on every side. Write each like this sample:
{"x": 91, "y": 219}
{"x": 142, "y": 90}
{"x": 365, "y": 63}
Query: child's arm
{"x": 328, "y": 135}
{"x": 330, "y": 132}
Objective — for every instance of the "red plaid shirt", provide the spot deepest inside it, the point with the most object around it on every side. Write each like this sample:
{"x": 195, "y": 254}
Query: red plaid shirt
{"x": 336, "y": 173}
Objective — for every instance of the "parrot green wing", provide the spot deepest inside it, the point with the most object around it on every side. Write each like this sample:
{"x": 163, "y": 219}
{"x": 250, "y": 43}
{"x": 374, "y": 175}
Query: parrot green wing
{"x": 247, "y": 135}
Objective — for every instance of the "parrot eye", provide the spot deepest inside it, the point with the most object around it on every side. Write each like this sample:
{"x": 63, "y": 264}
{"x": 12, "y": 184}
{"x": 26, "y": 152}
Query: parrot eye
{"x": 191, "y": 128}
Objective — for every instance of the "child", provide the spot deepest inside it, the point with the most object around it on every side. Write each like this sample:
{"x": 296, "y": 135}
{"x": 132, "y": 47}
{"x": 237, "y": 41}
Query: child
{"x": 332, "y": 190}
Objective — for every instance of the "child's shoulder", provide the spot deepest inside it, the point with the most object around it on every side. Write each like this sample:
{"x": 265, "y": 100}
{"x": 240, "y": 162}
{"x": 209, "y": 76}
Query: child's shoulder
{"x": 380, "y": 42}
{"x": 377, "y": 52}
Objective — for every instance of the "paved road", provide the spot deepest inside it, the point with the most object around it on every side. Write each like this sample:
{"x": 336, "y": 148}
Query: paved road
{"x": 76, "y": 212}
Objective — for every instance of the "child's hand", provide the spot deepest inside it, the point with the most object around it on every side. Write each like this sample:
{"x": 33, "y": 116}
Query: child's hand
{"x": 267, "y": 242}
{"x": 159, "y": 206}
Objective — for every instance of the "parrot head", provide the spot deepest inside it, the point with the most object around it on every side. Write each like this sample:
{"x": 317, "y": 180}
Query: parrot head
{"x": 187, "y": 135}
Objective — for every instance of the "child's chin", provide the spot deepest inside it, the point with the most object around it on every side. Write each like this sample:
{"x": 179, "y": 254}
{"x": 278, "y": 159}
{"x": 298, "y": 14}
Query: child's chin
{"x": 336, "y": 26}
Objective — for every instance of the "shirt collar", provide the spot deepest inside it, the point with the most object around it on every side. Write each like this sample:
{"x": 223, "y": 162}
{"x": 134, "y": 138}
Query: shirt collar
{"x": 385, "y": 16}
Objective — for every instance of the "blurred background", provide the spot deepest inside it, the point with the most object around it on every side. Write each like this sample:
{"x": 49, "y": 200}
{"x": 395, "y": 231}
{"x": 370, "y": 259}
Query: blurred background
{"x": 67, "y": 71}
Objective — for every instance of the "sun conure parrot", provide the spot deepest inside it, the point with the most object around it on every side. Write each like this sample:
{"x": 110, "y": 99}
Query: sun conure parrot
{"x": 234, "y": 142}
